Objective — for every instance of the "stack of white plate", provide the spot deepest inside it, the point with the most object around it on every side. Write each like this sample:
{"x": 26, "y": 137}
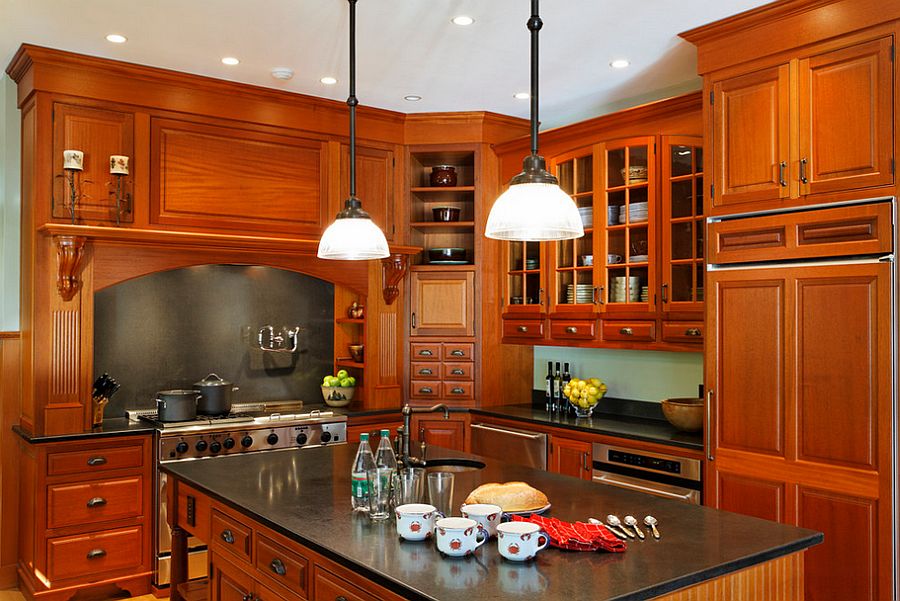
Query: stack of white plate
{"x": 625, "y": 289}
{"x": 587, "y": 216}
{"x": 637, "y": 212}
{"x": 579, "y": 293}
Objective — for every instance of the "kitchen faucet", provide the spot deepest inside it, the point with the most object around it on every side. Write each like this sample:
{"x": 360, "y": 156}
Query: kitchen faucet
{"x": 407, "y": 412}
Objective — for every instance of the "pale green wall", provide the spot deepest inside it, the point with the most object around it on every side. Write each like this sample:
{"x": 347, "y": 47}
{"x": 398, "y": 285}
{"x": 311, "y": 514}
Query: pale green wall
{"x": 638, "y": 375}
{"x": 10, "y": 205}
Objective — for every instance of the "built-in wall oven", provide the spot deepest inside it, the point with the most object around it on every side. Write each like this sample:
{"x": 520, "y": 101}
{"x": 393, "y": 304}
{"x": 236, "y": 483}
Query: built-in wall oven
{"x": 658, "y": 474}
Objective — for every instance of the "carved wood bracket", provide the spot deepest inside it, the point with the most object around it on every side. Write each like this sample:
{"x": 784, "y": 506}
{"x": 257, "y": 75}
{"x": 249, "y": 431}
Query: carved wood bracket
{"x": 393, "y": 268}
{"x": 69, "y": 252}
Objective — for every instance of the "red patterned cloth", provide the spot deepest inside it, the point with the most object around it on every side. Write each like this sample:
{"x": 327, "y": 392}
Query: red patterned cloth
{"x": 577, "y": 536}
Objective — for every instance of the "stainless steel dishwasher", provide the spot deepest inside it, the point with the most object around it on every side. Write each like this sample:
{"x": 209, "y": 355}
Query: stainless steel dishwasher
{"x": 510, "y": 444}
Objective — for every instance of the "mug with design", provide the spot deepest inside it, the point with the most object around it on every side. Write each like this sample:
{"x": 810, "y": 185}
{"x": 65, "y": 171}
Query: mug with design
{"x": 520, "y": 541}
{"x": 486, "y": 515}
{"x": 415, "y": 521}
{"x": 459, "y": 537}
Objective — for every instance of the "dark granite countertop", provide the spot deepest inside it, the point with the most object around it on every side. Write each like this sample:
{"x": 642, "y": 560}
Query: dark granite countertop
{"x": 305, "y": 495}
{"x": 622, "y": 426}
{"x": 117, "y": 426}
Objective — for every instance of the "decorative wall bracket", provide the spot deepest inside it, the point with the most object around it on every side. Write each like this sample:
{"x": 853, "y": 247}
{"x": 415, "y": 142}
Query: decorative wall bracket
{"x": 69, "y": 252}
{"x": 393, "y": 268}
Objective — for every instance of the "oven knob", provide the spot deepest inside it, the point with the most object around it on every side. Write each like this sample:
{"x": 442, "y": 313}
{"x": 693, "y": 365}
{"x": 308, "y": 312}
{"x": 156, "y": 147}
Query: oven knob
{"x": 325, "y": 437}
{"x": 228, "y": 443}
{"x": 215, "y": 446}
{"x": 246, "y": 441}
{"x": 272, "y": 438}
{"x": 301, "y": 438}
{"x": 200, "y": 446}
{"x": 182, "y": 447}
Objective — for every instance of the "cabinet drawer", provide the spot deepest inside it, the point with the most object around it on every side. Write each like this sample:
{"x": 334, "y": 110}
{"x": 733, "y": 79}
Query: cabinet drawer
{"x": 329, "y": 587}
{"x": 573, "y": 329}
{"x": 85, "y": 555}
{"x": 629, "y": 331}
{"x": 458, "y": 371}
{"x": 459, "y": 390}
{"x": 419, "y": 389}
{"x": 231, "y": 535}
{"x": 683, "y": 331}
{"x": 523, "y": 328}
{"x": 426, "y": 371}
{"x": 98, "y": 460}
{"x": 93, "y": 502}
{"x": 282, "y": 565}
{"x": 425, "y": 351}
{"x": 458, "y": 351}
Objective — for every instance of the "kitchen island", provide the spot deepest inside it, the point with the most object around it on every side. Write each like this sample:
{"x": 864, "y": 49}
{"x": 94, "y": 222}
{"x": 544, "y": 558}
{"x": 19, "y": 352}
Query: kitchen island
{"x": 279, "y": 526}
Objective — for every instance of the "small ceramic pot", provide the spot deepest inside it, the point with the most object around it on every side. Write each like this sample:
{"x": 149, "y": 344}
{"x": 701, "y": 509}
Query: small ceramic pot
{"x": 415, "y": 521}
{"x": 443, "y": 176}
{"x": 458, "y": 537}
{"x": 486, "y": 515}
{"x": 520, "y": 541}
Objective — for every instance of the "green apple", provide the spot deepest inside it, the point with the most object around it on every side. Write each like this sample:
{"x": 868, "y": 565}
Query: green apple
{"x": 352, "y": 381}
{"x": 345, "y": 382}
{"x": 342, "y": 374}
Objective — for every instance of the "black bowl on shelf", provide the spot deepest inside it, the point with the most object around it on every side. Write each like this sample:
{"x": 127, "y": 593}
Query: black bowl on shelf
{"x": 445, "y": 214}
{"x": 447, "y": 255}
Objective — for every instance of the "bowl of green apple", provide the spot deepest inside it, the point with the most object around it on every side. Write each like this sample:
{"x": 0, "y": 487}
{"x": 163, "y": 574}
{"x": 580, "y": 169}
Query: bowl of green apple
{"x": 337, "y": 390}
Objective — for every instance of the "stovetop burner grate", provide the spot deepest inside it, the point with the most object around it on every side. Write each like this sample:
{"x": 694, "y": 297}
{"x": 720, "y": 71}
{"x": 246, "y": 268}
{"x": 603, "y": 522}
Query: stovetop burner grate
{"x": 206, "y": 420}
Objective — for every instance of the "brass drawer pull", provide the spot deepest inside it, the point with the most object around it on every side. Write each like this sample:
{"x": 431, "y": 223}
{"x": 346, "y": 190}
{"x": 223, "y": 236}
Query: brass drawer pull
{"x": 626, "y": 332}
{"x": 571, "y": 330}
{"x": 425, "y": 353}
{"x": 277, "y": 566}
{"x": 96, "y": 502}
{"x": 457, "y": 390}
{"x": 523, "y": 329}
{"x": 425, "y": 390}
{"x": 425, "y": 372}
{"x": 457, "y": 353}
{"x": 96, "y": 461}
{"x": 228, "y": 536}
{"x": 96, "y": 554}
{"x": 692, "y": 332}
{"x": 458, "y": 372}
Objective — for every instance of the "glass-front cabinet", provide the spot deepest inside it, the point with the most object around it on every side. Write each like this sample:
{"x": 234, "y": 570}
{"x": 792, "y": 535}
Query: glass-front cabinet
{"x": 629, "y": 231}
{"x": 524, "y": 280}
{"x": 682, "y": 224}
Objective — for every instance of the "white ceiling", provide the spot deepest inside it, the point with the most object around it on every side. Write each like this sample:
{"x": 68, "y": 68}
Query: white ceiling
{"x": 404, "y": 47}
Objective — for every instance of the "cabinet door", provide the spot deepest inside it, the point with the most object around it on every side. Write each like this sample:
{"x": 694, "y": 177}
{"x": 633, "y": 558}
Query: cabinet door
{"x": 443, "y": 304}
{"x": 524, "y": 294}
{"x": 227, "y": 582}
{"x": 98, "y": 134}
{"x": 374, "y": 184}
{"x": 570, "y": 457}
{"x": 751, "y": 137}
{"x": 446, "y": 433}
{"x": 846, "y": 118}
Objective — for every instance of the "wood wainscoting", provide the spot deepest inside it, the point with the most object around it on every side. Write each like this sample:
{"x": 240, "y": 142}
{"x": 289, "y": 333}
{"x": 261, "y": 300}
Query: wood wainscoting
{"x": 10, "y": 399}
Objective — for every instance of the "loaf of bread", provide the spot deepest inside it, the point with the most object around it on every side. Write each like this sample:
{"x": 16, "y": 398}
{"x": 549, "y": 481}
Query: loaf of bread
{"x": 511, "y": 496}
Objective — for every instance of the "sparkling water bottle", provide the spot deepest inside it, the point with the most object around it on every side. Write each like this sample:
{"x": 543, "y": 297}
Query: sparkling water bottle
{"x": 359, "y": 487}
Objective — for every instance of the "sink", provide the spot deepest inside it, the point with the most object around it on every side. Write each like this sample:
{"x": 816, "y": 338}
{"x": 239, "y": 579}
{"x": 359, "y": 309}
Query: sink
{"x": 453, "y": 465}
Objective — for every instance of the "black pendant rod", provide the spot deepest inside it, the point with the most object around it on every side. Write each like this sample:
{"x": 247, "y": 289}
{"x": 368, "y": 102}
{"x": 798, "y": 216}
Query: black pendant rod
{"x": 352, "y": 102}
{"x": 534, "y": 26}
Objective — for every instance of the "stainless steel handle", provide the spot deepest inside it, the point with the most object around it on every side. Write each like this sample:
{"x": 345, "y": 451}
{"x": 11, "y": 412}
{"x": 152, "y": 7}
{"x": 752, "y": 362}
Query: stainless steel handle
{"x": 540, "y": 296}
{"x": 426, "y": 390}
{"x": 782, "y": 166}
{"x": 510, "y": 432}
{"x": 693, "y": 332}
{"x": 708, "y": 431}
{"x": 96, "y": 554}
{"x": 522, "y": 329}
{"x": 340, "y": 598}
{"x": 600, "y": 295}
{"x": 247, "y": 597}
{"x": 457, "y": 353}
{"x": 426, "y": 372}
{"x": 665, "y": 293}
{"x": 96, "y": 502}
{"x": 228, "y": 536}
{"x": 426, "y": 353}
{"x": 626, "y": 332}
{"x": 457, "y": 372}
{"x": 607, "y": 478}
{"x": 93, "y": 461}
{"x": 571, "y": 330}
{"x": 412, "y": 320}
{"x": 277, "y": 566}
{"x": 457, "y": 390}
{"x": 584, "y": 462}
{"x": 803, "y": 177}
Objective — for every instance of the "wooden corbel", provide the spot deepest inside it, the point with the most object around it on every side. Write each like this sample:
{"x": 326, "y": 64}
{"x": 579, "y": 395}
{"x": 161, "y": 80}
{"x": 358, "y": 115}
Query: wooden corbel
{"x": 393, "y": 268}
{"x": 69, "y": 252}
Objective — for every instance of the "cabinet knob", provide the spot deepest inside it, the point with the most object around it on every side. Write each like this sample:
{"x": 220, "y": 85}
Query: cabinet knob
{"x": 457, "y": 390}
{"x": 425, "y": 390}
{"x": 425, "y": 372}
{"x": 626, "y": 332}
{"x": 457, "y": 372}
{"x": 96, "y": 502}
{"x": 571, "y": 330}
{"x": 96, "y": 554}
{"x": 93, "y": 461}
{"x": 522, "y": 329}
{"x": 692, "y": 332}
{"x": 277, "y": 566}
{"x": 457, "y": 353}
{"x": 228, "y": 536}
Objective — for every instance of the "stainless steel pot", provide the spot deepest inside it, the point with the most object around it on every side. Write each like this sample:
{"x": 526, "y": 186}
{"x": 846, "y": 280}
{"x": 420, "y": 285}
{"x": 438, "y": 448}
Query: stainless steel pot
{"x": 176, "y": 405}
{"x": 215, "y": 395}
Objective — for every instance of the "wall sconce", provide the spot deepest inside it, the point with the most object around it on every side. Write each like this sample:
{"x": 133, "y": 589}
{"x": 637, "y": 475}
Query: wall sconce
{"x": 118, "y": 167}
{"x": 73, "y": 163}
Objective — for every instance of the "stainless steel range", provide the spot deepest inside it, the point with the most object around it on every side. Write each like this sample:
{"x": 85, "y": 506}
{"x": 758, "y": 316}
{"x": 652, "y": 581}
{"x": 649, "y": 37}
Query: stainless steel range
{"x": 250, "y": 428}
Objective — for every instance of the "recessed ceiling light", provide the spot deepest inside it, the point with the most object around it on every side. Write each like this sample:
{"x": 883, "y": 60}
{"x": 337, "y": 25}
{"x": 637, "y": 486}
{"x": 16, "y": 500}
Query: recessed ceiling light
{"x": 619, "y": 63}
{"x": 328, "y": 81}
{"x": 462, "y": 20}
{"x": 230, "y": 60}
{"x": 116, "y": 38}
{"x": 521, "y": 95}
{"x": 412, "y": 97}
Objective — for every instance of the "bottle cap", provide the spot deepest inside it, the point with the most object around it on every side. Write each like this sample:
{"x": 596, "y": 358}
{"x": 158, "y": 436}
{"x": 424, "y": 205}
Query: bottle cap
{"x": 364, "y": 437}
{"x": 385, "y": 432}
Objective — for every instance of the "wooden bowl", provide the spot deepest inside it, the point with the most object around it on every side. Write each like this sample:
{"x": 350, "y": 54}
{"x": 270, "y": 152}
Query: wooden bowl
{"x": 684, "y": 414}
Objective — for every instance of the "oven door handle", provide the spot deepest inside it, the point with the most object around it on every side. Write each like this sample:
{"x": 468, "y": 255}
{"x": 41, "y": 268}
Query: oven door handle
{"x": 662, "y": 490}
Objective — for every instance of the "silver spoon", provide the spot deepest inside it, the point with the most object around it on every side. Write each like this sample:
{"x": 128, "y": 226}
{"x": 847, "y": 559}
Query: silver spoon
{"x": 614, "y": 522}
{"x": 651, "y": 521}
{"x": 631, "y": 521}
{"x": 615, "y": 531}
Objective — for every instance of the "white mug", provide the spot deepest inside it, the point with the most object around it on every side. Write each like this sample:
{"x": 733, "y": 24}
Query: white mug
{"x": 458, "y": 537}
{"x": 520, "y": 541}
{"x": 415, "y": 521}
{"x": 486, "y": 515}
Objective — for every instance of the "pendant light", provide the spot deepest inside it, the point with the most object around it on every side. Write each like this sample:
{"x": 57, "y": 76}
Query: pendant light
{"x": 534, "y": 208}
{"x": 353, "y": 236}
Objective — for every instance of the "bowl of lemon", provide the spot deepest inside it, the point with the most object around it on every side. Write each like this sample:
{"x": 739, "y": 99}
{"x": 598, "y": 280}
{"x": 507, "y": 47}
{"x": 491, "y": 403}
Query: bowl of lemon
{"x": 584, "y": 394}
{"x": 338, "y": 390}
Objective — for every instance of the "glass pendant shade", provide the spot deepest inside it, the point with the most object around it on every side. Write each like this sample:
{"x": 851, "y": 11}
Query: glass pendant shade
{"x": 534, "y": 212}
{"x": 353, "y": 237}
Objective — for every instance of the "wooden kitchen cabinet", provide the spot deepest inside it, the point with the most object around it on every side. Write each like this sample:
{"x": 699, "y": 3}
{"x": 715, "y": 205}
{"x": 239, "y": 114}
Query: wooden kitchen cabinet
{"x": 372, "y": 425}
{"x": 570, "y": 457}
{"x": 439, "y": 432}
{"x": 375, "y": 184}
{"x": 442, "y": 303}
